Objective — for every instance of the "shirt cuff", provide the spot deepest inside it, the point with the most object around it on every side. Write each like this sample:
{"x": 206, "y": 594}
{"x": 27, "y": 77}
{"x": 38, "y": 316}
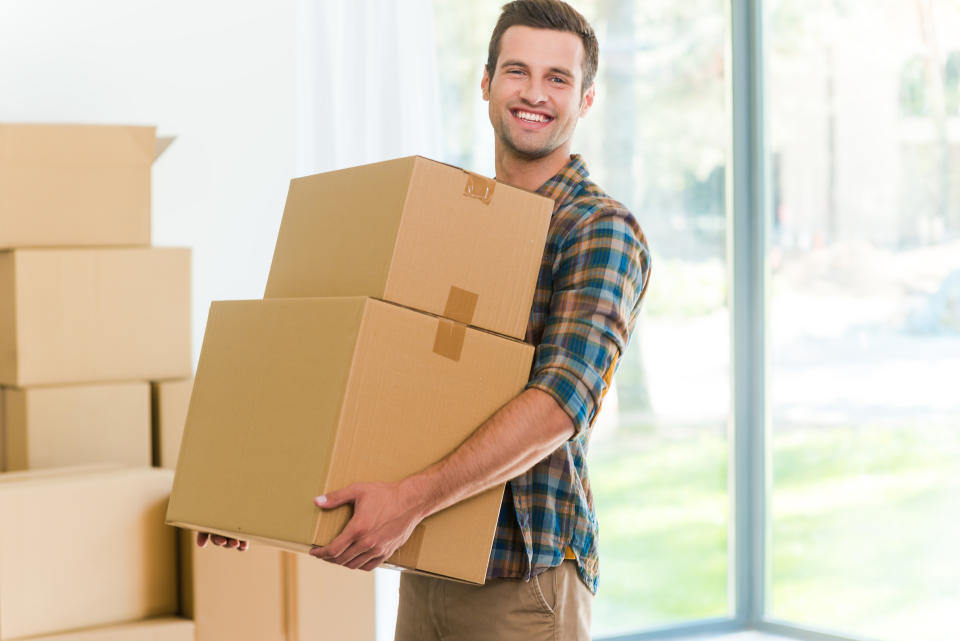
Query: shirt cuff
{"x": 570, "y": 393}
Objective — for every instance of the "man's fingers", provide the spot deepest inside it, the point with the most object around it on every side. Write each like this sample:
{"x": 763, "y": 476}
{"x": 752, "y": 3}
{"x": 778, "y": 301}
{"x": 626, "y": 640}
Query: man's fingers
{"x": 340, "y": 544}
{"x": 336, "y": 498}
{"x": 222, "y": 541}
{"x": 373, "y": 563}
{"x": 361, "y": 560}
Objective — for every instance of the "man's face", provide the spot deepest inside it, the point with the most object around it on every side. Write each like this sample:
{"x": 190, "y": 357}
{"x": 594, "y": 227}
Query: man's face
{"x": 535, "y": 93}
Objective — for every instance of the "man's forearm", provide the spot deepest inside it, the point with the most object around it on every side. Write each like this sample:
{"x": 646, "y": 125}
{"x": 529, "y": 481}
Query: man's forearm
{"x": 521, "y": 433}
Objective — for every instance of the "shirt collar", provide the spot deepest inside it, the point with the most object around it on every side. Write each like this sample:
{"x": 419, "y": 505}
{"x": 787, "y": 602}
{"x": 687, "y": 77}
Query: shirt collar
{"x": 561, "y": 187}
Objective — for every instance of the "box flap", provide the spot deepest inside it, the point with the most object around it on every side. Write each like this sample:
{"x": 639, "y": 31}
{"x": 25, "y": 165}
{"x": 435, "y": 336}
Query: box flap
{"x": 60, "y": 145}
{"x": 162, "y": 143}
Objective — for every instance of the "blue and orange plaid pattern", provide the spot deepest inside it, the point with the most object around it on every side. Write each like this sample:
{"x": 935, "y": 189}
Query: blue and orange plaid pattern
{"x": 593, "y": 276}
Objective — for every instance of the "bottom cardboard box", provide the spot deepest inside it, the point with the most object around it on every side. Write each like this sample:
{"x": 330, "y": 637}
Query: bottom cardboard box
{"x": 81, "y": 548}
{"x": 165, "y": 629}
{"x": 297, "y": 397}
{"x": 264, "y": 594}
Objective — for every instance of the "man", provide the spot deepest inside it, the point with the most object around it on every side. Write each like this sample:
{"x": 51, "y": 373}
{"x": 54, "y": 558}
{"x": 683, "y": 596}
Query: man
{"x": 543, "y": 568}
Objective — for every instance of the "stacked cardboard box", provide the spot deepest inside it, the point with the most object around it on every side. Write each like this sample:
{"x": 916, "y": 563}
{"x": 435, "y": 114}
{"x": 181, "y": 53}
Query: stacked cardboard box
{"x": 388, "y": 333}
{"x": 94, "y": 343}
{"x": 262, "y": 593}
{"x": 89, "y": 314}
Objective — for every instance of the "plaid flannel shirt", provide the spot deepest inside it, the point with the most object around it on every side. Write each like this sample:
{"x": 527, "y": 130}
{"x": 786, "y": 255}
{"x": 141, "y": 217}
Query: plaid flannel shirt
{"x": 592, "y": 278}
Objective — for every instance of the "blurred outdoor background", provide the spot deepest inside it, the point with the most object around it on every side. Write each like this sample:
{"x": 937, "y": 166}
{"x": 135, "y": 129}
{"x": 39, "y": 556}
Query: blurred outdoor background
{"x": 863, "y": 132}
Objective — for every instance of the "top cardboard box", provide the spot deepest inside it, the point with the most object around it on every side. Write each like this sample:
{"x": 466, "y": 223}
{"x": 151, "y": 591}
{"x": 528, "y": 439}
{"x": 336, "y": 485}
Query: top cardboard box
{"x": 76, "y": 185}
{"x": 417, "y": 233}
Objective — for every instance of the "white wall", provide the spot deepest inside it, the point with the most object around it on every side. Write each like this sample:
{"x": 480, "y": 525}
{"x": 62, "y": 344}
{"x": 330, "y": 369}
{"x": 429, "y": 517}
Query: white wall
{"x": 219, "y": 75}
{"x": 256, "y": 93}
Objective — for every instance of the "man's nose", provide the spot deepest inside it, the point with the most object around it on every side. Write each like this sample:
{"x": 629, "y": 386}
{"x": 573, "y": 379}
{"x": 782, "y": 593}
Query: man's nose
{"x": 533, "y": 92}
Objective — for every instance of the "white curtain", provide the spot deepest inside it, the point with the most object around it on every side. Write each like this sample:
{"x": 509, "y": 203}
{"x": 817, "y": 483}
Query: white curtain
{"x": 367, "y": 82}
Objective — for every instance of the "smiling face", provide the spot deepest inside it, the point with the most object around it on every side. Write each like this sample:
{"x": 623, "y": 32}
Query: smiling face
{"x": 535, "y": 94}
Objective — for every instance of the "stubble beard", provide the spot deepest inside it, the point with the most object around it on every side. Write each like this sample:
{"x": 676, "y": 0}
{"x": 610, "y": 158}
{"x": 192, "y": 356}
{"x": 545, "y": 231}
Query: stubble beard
{"x": 500, "y": 128}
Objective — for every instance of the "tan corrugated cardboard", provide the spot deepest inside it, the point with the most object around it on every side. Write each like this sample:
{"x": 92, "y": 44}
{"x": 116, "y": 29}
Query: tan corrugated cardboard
{"x": 161, "y": 629}
{"x": 82, "y": 548}
{"x": 328, "y": 601}
{"x": 75, "y": 185}
{"x": 94, "y": 315}
{"x": 232, "y": 595}
{"x": 170, "y": 400}
{"x": 75, "y": 425}
{"x": 297, "y": 397}
{"x": 266, "y": 593}
{"x": 416, "y": 232}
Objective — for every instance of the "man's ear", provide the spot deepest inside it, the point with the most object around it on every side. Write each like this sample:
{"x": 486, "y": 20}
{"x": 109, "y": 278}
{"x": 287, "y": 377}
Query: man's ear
{"x": 485, "y": 85}
{"x": 587, "y": 101}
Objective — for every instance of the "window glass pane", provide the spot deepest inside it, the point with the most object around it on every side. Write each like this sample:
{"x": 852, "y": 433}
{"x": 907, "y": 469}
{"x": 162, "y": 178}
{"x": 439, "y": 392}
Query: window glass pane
{"x": 864, "y": 166}
{"x": 657, "y": 139}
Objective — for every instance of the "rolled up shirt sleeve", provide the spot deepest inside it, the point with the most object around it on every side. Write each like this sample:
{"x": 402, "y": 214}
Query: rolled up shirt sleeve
{"x": 599, "y": 277}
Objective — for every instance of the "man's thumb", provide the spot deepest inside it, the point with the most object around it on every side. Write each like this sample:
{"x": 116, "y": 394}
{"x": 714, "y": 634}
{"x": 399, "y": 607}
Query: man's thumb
{"x": 331, "y": 500}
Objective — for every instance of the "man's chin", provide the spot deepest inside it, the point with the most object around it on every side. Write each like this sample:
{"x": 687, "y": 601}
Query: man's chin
{"x": 528, "y": 152}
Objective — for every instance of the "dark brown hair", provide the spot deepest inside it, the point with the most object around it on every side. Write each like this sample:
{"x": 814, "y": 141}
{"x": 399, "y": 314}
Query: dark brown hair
{"x": 546, "y": 14}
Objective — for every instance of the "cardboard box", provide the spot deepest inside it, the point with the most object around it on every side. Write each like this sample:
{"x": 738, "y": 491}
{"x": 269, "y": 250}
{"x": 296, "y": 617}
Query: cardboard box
{"x": 232, "y": 595}
{"x": 418, "y": 233}
{"x": 162, "y": 629}
{"x": 94, "y": 315}
{"x": 81, "y": 548}
{"x": 75, "y": 185}
{"x": 328, "y": 601}
{"x": 74, "y": 425}
{"x": 265, "y": 593}
{"x": 297, "y": 397}
{"x": 169, "y": 400}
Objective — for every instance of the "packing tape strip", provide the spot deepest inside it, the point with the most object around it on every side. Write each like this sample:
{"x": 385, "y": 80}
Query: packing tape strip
{"x": 479, "y": 187}
{"x": 461, "y": 305}
{"x": 448, "y": 341}
{"x": 408, "y": 554}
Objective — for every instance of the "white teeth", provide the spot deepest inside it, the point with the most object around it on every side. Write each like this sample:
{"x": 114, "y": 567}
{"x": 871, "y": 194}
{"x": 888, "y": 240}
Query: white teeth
{"x": 526, "y": 115}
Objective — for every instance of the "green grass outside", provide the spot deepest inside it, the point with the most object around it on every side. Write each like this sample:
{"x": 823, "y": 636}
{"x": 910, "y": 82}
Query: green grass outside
{"x": 866, "y": 527}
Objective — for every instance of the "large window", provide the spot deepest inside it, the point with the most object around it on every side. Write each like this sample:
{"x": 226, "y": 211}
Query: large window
{"x": 853, "y": 493}
{"x": 865, "y": 316}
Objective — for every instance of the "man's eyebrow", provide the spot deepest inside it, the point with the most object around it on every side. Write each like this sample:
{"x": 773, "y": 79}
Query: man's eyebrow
{"x": 560, "y": 71}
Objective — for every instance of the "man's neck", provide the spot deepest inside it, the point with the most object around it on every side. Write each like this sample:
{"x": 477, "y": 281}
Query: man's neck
{"x": 529, "y": 174}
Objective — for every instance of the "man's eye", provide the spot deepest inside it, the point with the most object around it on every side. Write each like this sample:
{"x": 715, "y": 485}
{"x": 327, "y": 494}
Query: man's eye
{"x": 558, "y": 80}
{"x": 515, "y": 72}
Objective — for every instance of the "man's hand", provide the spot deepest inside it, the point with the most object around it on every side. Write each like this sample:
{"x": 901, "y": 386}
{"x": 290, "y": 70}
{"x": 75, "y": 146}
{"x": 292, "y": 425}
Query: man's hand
{"x": 384, "y": 516}
{"x": 222, "y": 541}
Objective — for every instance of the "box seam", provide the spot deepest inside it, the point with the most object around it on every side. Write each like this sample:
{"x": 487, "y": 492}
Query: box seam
{"x": 400, "y": 227}
{"x": 338, "y": 433}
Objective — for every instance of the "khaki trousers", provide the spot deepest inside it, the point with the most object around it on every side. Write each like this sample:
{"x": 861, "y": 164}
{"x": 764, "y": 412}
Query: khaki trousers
{"x": 553, "y": 606}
